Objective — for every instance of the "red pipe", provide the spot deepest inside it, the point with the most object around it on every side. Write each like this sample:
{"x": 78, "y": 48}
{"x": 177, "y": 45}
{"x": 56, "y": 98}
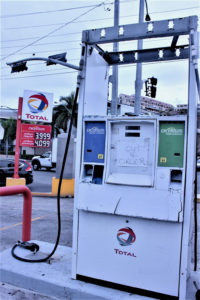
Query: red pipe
{"x": 27, "y": 207}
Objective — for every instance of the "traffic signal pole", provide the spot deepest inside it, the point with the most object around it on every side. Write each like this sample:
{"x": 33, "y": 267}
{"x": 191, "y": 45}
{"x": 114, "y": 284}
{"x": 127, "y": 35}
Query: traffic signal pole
{"x": 138, "y": 81}
{"x": 114, "y": 102}
{"x": 18, "y": 135}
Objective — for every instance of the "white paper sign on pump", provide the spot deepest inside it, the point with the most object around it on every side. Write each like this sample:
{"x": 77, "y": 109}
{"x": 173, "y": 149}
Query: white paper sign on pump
{"x": 37, "y": 106}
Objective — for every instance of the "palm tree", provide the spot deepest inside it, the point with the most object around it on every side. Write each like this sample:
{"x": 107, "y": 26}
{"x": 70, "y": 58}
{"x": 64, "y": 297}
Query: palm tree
{"x": 9, "y": 126}
{"x": 62, "y": 113}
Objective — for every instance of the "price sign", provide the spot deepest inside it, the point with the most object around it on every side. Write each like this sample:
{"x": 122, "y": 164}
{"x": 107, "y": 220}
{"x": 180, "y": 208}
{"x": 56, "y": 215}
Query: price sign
{"x": 42, "y": 139}
{"x": 35, "y": 136}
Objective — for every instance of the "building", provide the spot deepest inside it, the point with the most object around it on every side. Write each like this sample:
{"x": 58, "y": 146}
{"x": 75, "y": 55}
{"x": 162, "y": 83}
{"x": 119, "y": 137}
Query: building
{"x": 147, "y": 104}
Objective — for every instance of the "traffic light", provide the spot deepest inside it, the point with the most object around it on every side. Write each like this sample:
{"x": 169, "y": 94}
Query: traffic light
{"x": 18, "y": 67}
{"x": 150, "y": 85}
{"x": 60, "y": 57}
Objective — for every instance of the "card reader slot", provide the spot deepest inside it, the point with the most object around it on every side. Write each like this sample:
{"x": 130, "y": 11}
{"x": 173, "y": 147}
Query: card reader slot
{"x": 132, "y": 134}
{"x": 132, "y": 127}
{"x": 177, "y": 154}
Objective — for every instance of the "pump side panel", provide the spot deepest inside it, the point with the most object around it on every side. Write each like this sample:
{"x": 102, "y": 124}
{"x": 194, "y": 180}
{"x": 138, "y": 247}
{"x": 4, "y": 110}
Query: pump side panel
{"x": 150, "y": 262}
{"x": 96, "y": 85}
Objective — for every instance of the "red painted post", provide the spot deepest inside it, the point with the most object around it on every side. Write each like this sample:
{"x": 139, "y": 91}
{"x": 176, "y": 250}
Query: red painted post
{"x": 18, "y": 135}
{"x": 27, "y": 207}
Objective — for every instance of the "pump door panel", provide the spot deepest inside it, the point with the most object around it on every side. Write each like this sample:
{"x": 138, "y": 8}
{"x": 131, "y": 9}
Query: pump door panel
{"x": 131, "y": 157}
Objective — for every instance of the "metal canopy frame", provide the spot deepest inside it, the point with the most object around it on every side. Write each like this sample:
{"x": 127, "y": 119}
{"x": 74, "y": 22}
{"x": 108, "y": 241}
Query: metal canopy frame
{"x": 164, "y": 28}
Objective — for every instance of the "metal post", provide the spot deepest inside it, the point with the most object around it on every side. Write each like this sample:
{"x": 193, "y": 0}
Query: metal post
{"x": 27, "y": 207}
{"x": 190, "y": 172}
{"x": 114, "y": 101}
{"x": 138, "y": 81}
{"x": 18, "y": 134}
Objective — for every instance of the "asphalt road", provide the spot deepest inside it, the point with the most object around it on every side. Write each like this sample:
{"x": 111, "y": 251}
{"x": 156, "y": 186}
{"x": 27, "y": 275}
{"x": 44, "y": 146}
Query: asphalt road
{"x": 44, "y": 220}
{"x": 42, "y": 181}
{"x": 44, "y": 228}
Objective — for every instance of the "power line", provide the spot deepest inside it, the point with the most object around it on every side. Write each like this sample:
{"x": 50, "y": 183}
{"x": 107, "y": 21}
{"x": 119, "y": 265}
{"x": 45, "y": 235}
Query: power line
{"x": 39, "y": 75}
{"x": 78, "y": 48}
{"x": 94, "y": 20}
{"x": 36, "y": 37}
{"x": 43, "y": 44}
{"x": 49, "y": 11}
{"x": 76, "y": 18}
{"x": 58, "y": 10}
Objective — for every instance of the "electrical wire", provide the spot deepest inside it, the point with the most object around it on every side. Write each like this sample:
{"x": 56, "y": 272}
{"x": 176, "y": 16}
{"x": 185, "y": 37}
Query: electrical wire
{"x": 39, "y": 75}
{"x": 100, "y": 19}
{"x": 36, "y": 37}
{"x": 59, "y": 10}
{"x": 78, "y": 48}
{"x": 44, "y": 44}
{"x": 46, "y": 35}
{"x": 48, "y": 11}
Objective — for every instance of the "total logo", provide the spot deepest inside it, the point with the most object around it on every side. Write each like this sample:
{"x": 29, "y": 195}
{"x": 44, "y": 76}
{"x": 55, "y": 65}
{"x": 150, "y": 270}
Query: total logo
{"x": 37, "y": 103}
{"x": 125, "y": 237}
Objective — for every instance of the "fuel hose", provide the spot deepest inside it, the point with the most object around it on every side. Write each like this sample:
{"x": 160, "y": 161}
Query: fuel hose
{"x": 34, "y": 247}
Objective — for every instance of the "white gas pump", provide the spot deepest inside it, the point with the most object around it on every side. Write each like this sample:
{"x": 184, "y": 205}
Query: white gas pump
{"x": 134, "y": 181}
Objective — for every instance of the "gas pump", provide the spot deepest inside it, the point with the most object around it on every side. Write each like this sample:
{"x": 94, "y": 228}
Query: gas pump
{"x": 134, "y": 181}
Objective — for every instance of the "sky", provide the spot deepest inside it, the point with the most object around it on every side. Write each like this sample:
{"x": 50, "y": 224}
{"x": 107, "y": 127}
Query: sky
{"x": 43, "y": 28}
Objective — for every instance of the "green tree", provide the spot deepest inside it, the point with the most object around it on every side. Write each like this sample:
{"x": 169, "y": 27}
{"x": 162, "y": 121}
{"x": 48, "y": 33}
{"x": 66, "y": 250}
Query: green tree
{"x": 62, "y": 113}
{"x": 9, "y": 126}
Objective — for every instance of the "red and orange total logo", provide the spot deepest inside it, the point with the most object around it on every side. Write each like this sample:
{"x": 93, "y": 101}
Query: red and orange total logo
{"x": 125, "y": 237}
{"x": 37, "y": 103}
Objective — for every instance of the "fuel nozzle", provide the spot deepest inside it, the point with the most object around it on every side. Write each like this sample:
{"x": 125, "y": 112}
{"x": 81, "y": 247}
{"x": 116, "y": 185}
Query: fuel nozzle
{"x": 30, "y": 246}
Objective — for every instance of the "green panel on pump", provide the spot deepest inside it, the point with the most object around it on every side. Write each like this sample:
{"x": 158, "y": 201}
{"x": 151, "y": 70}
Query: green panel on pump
{"x": 171, "y": 144}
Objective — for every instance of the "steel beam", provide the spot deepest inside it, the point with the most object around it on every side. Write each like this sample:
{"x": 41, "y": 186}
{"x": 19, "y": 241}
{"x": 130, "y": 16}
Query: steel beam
{"x": 164, "y": 28}
{"x": 147, "y": 55}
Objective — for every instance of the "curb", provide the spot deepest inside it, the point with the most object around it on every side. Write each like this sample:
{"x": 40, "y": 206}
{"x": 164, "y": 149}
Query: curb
{"x": 49, "y": 195}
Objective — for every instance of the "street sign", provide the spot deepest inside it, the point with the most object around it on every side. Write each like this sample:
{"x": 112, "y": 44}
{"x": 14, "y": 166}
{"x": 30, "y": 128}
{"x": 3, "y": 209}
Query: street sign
{"x": 35, "y": 135}
{"x": 37, "y": 106}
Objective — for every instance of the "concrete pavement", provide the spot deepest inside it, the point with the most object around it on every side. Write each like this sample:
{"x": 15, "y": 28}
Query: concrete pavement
{"x": 54, "y": 279}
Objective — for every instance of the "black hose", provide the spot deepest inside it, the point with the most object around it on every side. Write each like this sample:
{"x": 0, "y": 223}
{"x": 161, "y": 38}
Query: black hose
{"x": 58, "y": 195}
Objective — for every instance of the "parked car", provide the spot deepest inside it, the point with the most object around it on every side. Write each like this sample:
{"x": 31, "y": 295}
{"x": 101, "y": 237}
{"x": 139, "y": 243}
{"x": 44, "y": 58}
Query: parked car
{"x": 7, "y": 170}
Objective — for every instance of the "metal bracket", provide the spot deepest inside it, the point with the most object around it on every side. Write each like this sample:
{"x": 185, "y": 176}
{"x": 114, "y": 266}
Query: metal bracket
{"x": 174, "y": 42}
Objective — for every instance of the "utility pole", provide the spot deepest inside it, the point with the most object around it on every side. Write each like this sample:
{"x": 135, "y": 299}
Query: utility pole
{"x": 114, "y": 101}
{"x": 138, "y": 81}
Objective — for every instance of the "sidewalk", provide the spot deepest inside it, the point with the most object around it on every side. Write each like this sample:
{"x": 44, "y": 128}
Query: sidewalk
{"x": 54, "y": 280}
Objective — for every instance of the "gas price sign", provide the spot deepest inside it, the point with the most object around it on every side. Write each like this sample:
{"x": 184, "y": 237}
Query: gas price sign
{"x": 35, "y": 135}
{"x": 42, "y": 139}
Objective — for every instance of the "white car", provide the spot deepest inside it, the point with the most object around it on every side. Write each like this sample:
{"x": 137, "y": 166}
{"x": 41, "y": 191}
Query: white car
{"x": 43, "y": 161}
